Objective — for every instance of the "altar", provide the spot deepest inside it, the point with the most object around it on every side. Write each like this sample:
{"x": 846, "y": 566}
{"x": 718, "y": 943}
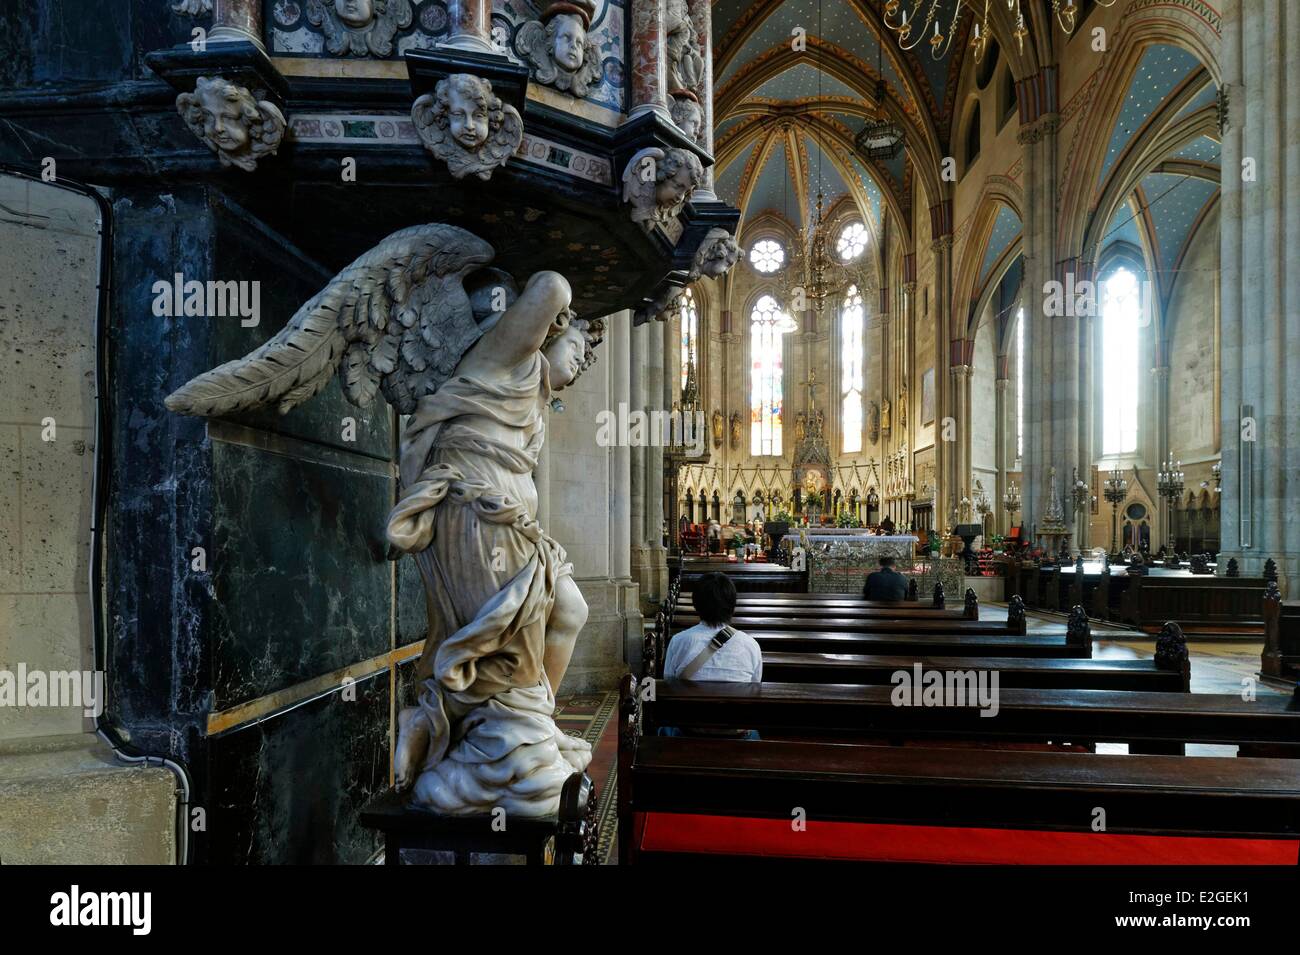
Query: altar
{"x": 839, "y": 560}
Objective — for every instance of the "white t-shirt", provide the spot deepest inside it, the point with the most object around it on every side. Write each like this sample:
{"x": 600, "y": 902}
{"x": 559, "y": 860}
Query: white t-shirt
{"x": 739, "y": 661}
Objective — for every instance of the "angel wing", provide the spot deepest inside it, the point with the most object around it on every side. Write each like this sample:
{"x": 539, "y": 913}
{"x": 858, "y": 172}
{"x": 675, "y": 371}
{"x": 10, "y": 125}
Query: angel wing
{"x": 639, "y": 177}
{"x": 504, "y": 141}
{"x": 397, "y": 319}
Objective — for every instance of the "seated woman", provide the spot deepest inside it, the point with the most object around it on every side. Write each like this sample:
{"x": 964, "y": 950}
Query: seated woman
{"x": 712, "y": 650}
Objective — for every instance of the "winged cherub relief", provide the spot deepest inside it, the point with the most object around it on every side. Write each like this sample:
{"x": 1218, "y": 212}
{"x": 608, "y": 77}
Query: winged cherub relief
{"x": 657, "y": 182}
{"x": 237, "y": 126}
{"x": 713, "y": 259}
{"x": 504, "y": 612}
{"x": 359, "y": 27}
{"x": 559, "y": 48}
{"x": 463, "y": 123}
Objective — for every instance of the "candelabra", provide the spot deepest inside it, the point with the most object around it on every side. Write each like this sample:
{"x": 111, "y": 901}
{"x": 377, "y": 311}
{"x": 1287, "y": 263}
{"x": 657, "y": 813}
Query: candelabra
{"x": 1011, "y": 499}
{"x": 1115, "y": 491}
{"x": 1217, "y": 471}
{"x": 1169, "y": 484}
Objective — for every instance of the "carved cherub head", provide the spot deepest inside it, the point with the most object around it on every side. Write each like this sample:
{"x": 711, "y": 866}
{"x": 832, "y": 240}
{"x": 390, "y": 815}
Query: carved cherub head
{"x": 558, "y": 47}
{"x": 467, "y": 126}
{"x": 717, "y": 254}
{"x": 359, "y": 27}
{"x": 687, "y": 114}
{"x": 570, "y": 349}
{"x": 355, "y": 14}
{"x": 235, "y": 125}
{"x": 659, "y": 181}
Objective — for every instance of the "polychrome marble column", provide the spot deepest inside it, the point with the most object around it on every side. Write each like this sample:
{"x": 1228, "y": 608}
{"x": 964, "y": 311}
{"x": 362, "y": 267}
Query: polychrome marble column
{"x": 649, "y": 62}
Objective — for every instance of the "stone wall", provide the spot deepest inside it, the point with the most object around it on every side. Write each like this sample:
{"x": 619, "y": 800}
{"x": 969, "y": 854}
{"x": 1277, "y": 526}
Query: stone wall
{"x": 63, "y": 796}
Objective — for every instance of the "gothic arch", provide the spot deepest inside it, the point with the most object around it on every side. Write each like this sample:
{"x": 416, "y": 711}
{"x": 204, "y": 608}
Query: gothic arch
{"x": 1143, "y": 24}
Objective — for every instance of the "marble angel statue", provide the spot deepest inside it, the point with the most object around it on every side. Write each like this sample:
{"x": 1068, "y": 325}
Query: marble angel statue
{"x": 504, "y": 611}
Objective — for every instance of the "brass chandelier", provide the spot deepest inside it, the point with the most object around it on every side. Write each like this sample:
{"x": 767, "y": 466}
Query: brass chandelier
{"x": 902, "y": 17}
{"x": 816, "y": 274}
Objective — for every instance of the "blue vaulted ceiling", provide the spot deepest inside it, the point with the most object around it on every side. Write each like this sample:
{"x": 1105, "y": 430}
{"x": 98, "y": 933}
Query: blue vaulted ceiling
{"x": 1162, "y": 69}
{"x": 746, "y": 30}
{"x": 1006, "y": 227}
{"x": 1175, "y": 204}
{"x": 1124, "y": 226}
{"x": 802, "y": 80}
{"x": 840, "y": 25}
{"x": 773, "y": 190}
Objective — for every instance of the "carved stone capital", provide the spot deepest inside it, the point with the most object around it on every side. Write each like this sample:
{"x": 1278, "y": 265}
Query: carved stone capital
{"x": 1036, "y": 131}
{"x": 467, "y": 126}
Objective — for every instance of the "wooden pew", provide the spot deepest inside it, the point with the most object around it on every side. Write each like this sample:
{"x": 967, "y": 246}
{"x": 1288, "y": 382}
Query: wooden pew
{"x": 1280, "y": 660}
{"x": 860, "y": 610}
{"x": 1042, "y": 672}
{"x": 935, "y": 644}
{"x": 690, "y": 798}
{"x": 763, "y": 578}
{"x": 854, "y": 624}
{"x": 1022, "y": 715}
{"x": 1075, "y": 642}
{"x": 1226, "y": 606}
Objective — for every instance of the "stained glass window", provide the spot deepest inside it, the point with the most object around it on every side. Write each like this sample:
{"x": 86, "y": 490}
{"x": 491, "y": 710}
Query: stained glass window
{"x": 1121, "y": 315}
{"x": 851, "y": 383}
{"x": 1020, "y": 383}
{"x": 690, "y": 321}
{"x": 768, "y": 323}
{"x": 767, "y": 256}
{"x": 851, "y": 242}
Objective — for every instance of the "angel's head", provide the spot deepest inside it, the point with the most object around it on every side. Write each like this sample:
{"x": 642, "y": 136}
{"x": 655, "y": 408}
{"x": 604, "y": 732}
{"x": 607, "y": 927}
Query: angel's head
{"x": 468, "y": 109}
{"x": 676, "y": 177}
{"x": 355, "y": 13}
{"x": 223, "y": 110}
{"x": 572, "y": 348}
{"x": 566, "y": 35}
{"x": 687, "y": 114}
{"x": 718, "y": 254}
{"x": 231, "y": 120}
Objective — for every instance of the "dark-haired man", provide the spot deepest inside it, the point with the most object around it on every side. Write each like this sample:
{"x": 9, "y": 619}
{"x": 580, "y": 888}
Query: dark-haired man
{"x": 885, "y": 583}
{"x": 712, "y": 650}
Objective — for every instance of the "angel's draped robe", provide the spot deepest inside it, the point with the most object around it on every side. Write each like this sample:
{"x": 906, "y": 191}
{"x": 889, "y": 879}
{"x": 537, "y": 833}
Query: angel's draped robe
{"x": 490, "y": 574}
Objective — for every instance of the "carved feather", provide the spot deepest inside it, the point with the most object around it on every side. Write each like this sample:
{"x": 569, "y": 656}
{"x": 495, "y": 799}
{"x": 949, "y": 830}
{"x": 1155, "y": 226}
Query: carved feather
{"x": 416, "y": 275}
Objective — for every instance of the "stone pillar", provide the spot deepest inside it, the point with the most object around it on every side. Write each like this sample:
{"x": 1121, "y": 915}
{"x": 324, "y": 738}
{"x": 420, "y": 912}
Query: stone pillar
{"x": 620, "y": 505}
{"x": 655, "y": 385}
{"x": 1001, "y": 439}
{"x": 1160, "y": 410}
{"x": 945, "y": 461}
{"x": 649, "y": 60}
{"x": 702, "y": 18}
{"x": 1051, "y": 343}
{"x": 1260, "y": 231}
{"x": 237, "y": 21}
{"x": 469, "y": 26}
